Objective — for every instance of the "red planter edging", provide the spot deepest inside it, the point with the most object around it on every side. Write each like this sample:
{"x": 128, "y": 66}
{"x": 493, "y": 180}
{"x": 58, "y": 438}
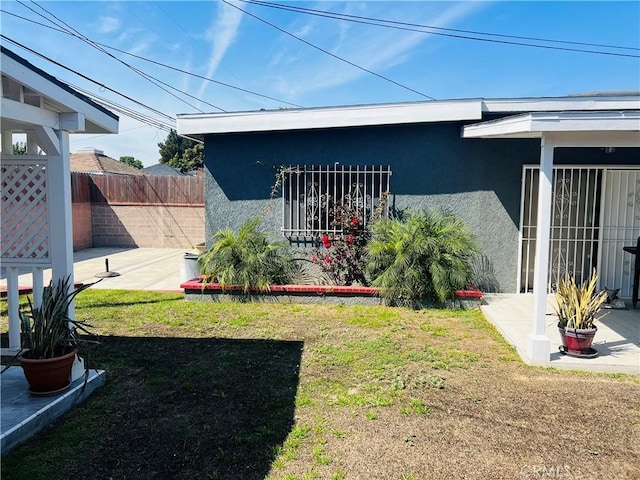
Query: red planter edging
{"x": 196, "y": 284}
{"x": 469, "y": 293}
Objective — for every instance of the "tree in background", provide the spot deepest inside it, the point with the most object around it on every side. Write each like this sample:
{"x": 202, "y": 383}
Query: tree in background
{"x": 20, "y": 148}
{"x": 132, "y": 161}
{"x": 181, "y": 153}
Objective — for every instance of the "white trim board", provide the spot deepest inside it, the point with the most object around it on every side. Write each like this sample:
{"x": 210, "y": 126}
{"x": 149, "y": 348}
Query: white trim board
{"x": 393, "y": 114}
{"x": 606, "y": 128}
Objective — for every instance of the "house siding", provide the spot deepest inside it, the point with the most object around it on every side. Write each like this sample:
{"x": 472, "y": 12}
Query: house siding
{"x": 479, "y": 180}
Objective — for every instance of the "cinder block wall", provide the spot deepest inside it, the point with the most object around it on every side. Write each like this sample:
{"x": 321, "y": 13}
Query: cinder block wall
{"x": 147, "y": 226}
{"x": 82, "y": 226}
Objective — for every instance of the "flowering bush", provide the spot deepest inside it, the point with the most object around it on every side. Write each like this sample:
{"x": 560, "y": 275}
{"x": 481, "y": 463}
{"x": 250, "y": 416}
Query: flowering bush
{"x": 341, "y": 254}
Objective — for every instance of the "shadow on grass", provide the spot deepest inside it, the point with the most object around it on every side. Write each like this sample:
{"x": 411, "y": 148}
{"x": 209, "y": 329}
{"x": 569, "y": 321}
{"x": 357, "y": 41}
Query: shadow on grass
{"x": 175, "y": 408}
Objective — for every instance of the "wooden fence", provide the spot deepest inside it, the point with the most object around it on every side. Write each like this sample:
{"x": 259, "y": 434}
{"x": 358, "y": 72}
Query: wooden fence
{"x": 137, "y": 190}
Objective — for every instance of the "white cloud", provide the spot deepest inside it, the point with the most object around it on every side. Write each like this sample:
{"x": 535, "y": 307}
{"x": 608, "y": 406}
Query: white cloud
{"x": 304, "y": 30}
{"x": 222, "y": 34}
{"x": 375, "y": 49}
{"x": 108, "y": 24}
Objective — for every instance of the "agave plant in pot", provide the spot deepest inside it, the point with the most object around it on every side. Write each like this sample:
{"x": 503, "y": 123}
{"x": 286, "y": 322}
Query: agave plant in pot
{"x": 577, "y": 309}
{"x": 51, "y": 339}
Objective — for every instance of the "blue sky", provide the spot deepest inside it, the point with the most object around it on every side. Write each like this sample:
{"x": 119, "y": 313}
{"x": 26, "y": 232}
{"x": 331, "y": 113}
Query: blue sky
{"x": 214, "y": 40}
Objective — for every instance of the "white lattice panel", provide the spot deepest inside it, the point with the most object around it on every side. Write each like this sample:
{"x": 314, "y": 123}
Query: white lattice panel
{"x": 25, "y": 216}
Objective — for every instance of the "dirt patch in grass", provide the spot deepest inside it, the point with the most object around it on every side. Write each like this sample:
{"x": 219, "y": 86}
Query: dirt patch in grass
{"x": 253, "y": 391}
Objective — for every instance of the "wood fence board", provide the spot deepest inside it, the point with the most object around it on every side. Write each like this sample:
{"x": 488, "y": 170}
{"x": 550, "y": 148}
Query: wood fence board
{"x": 135, "y": 189}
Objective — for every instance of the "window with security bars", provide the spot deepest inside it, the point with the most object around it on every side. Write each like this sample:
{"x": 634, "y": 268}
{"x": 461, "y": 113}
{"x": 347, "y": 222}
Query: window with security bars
{"x": 311, "y": 195}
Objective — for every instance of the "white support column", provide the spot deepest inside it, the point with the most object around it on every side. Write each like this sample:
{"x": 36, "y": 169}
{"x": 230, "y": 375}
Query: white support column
{"x": 61, "y": 230}
{"x": 37, "y": 280}
{"x": 13, "y": 305}
{"x": 538, "y": 344}
{"x": 7, "y": 142}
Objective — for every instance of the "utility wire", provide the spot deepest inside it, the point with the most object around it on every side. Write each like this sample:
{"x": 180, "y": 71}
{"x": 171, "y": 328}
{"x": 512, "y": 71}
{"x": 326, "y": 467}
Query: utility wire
{"x": 151, "y": 121}
{"x": 420, "y": 28}
{"x": 162, "y": 64}
{"x": 473, "y": 32}
{"x": 327, "y": 52}
{"x": 81, "y": 75}
{"x": 144, "y": 75}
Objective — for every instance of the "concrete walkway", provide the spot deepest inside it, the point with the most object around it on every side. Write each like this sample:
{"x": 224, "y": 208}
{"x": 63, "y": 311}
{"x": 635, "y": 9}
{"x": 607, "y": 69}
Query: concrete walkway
{"x": 160, "y": 269}
{"x": 617, "y": 340}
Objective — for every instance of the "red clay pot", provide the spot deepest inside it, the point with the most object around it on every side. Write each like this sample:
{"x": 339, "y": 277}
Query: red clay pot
{"x": 48, "y": 376}
{"x": 580, "y": 339}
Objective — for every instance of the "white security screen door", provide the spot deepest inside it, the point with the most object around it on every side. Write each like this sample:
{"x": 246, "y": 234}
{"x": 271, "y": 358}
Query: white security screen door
{"x": 596, "y": 212}
{"x": 619, "y": 227}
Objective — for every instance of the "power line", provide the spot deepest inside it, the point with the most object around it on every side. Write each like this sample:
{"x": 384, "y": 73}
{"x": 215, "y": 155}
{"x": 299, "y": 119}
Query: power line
{"x": 150, "y": 78}
{"x": 327, "y": 52}
{"x": 146, "y": 119}
{"x": 58, "y": 64}
{"x": 474, "y": 32}
{"x": 406, "y": 26}
{"x": 164, "y": 65}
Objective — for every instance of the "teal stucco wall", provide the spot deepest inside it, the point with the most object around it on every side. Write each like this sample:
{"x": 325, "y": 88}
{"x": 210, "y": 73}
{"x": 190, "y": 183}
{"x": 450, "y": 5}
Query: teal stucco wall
{"x": 479, "y": 180}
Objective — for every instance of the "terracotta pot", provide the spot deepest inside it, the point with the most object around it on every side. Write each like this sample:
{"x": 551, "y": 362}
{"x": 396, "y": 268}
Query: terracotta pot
{"x": 48, "y": 376}
{"x": 580, "y": 339}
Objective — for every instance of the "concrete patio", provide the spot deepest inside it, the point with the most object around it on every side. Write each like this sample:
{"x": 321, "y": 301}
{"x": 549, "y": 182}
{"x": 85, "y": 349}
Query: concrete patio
{"x": 617, "y": 340}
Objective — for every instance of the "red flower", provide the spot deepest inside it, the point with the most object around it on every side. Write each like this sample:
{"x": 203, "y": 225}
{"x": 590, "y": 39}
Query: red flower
{"x": 350, "y": 239}
{"x": 327, "y": 245}
{"x": 354, "y": 220}
{"x": 325, "y": 239}
{"x": 314, "y": 258}
{"x": 327, "y": 260}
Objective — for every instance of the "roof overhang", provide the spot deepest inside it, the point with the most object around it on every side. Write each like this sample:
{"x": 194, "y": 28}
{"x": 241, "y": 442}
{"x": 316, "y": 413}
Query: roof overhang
{"x": 33, "y": 97}
{"x": 596, "y": 128}
{"x": 328, "y": 117}
{"x": 200, "y": 124}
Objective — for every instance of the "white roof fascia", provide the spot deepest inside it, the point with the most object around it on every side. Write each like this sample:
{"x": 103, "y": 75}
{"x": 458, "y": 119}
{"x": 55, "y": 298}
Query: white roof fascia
{"x": 96, "y": 120}
{"x": 330, "y": 117}
{"x": 533, "y": 125}
{"x": 562, "y": 104}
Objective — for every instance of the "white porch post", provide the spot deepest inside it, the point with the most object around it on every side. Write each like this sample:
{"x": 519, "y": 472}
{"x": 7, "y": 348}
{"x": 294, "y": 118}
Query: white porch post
{"x": 538, "y": 344}
{"x": 61, "y": 231}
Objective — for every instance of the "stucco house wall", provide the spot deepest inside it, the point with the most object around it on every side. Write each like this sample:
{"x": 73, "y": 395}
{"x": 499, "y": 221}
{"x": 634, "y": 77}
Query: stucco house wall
{"x": 479, "y": 180}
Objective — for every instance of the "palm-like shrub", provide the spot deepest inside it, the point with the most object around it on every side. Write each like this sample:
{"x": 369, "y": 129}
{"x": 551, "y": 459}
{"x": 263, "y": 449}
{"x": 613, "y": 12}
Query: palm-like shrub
{"x": 424, "y": 256}
{"x": 247, "y": 259}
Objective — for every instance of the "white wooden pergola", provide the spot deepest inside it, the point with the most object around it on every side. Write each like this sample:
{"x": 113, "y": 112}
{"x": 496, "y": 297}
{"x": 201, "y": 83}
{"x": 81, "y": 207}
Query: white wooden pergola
{"x": 555, "y": 130}
{"x": 36, "y": 217}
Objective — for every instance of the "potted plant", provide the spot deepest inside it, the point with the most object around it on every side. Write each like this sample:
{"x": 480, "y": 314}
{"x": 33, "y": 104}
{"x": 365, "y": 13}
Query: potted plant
{"x": 51, "y": 340}
{"x": 576, "y": 311}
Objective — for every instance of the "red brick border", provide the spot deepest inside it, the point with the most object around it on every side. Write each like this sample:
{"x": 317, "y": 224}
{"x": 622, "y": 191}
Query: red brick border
{"x": 196, "y": 284}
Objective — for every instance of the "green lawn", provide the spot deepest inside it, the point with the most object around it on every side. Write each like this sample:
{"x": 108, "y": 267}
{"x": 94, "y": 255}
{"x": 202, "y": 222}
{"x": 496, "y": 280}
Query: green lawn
{"x": 254, "y": 391}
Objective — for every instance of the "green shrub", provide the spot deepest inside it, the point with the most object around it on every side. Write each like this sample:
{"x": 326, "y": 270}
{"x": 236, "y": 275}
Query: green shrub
{"x": 246, "y": 258}
{"x": 424, "y": 256}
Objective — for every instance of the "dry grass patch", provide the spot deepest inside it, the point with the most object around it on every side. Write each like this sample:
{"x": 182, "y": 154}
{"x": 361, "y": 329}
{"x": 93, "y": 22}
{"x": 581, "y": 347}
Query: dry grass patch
{"x": 254, "y": 391}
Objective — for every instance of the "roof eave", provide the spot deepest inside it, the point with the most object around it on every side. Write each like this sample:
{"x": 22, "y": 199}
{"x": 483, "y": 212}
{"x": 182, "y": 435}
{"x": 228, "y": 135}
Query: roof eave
{"x": 97, "y": 119}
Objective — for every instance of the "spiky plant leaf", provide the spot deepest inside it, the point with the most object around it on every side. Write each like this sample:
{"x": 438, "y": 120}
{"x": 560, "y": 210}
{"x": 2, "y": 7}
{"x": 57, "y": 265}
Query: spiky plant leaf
{"x": 425, "y": 255}
{"x": 246, "y": 258}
